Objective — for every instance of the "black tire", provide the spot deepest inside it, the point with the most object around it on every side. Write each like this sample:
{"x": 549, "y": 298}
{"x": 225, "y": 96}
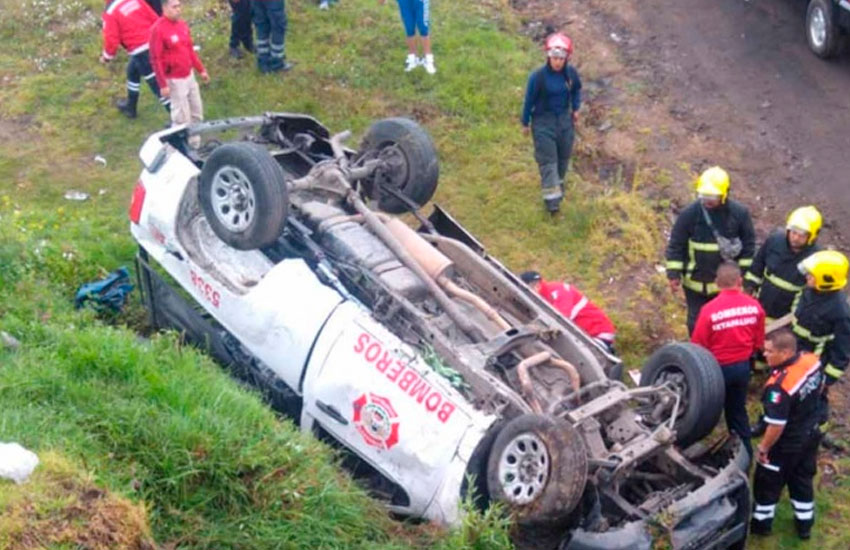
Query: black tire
{"x": 696, "y": 370}
{"x": 564, "y": 471}
{"x": 822, "y": 32}
{"x": 243, "y": 195}
{"x": 411, "y": 160}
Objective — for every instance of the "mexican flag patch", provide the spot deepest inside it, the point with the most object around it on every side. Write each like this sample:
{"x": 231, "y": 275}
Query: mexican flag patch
{"x": 774, "y": 397}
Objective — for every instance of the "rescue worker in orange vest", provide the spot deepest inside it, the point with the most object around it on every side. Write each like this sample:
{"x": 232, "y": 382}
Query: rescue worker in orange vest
{"x": 787, "y": 455}
{"x": 711, "y": 229}
{"x": 731, "y": 327}
{"x": 774, "y": 277}
{"x": 575, "y": 306}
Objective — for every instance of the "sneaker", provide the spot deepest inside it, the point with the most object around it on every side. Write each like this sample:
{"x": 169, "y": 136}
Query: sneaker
{"x": 410, "y": 63}
{"x": 236, "y": 53}
{"x": 428, "y": 63}
{"x": 323, "y": 5}
{"x": 124, "y": 106}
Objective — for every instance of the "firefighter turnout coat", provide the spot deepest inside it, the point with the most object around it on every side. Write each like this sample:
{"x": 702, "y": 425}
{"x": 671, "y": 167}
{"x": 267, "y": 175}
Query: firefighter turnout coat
{"x": 692, "y": 251}
{"x": 822, "y": 325}
{"x": 774, "y": 277}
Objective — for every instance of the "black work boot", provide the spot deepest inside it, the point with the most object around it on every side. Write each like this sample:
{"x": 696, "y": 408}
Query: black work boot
{"x": 236, "y": 53}
{"x": 126, "y": 108}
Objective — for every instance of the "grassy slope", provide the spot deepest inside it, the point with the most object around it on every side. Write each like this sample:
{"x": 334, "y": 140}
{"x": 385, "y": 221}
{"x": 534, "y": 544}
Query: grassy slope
{"x": 208, "y": 458}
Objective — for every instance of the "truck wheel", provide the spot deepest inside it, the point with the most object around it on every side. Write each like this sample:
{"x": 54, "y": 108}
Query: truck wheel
{"x": 410, "y": 163}
{"x": 822, "y": 33}
{"x": 694, "y": 372}
{"x": 243, "y": 195}
{"x": 538, "y": 467}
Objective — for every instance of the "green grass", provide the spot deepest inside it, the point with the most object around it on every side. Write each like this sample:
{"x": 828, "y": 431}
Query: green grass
{"x": 215, "y": 469}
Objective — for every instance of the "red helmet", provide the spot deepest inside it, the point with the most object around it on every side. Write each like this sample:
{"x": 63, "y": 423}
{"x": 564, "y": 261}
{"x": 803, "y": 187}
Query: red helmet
{"x": 559, "y": 41}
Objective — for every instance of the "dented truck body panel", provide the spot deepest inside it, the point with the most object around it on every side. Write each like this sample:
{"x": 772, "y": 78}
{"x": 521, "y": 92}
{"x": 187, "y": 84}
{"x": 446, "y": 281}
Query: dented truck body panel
{"x": 338, "y": 331}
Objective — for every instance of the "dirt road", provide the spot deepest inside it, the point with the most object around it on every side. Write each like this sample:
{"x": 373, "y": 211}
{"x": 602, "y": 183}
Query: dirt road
{"x": 743, "y": 67}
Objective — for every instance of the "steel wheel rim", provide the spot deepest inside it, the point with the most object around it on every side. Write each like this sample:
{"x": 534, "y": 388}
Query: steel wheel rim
{"x": 233, "y": 200}
{"x": 524, "y": 468}
{"x": 817, "y": 27}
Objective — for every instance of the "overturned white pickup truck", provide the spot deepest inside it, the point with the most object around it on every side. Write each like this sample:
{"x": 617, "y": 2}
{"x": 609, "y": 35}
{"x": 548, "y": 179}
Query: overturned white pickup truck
{"x": 433, "y": 368}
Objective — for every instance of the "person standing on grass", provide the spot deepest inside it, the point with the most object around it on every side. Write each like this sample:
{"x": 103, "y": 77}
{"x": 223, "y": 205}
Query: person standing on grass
{"x": 552, "y": 101}
{"x": 271, "y": 22}
{"x": 241, "y": 31}
{"x": 174, "y": 61}
{"x": 128, "y": 23}
{"x": 416, "y": 16}
{"x": 731, "y": 327}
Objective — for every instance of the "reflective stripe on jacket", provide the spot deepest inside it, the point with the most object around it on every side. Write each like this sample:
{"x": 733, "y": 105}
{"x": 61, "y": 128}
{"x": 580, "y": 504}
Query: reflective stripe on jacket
{"x": 127, "y": 23}
{"x": 774, "y": 274}
{"x": 822, "y": 325}
{"x": 692, "y": 251}
{"x": 576, "y": 307}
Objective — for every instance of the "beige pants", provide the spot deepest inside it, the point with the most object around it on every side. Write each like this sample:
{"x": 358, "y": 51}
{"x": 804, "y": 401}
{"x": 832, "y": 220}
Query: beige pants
{"x": 186, "y": 106}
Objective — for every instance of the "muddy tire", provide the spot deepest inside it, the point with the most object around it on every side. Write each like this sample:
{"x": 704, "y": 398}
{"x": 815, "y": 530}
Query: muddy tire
{"x": 411, "y": 165}
{"x": 243, "y": 195}
{"x": 822, "y": 32}
{"x": 538, "y": 467}
{"x": 696, "y": 373}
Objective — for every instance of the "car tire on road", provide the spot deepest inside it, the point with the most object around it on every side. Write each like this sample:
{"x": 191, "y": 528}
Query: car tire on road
{"x": 243, "y": 195}
{"x": 822, "y": 33}
{"x": 696, "y": 372}
{"x": 538, "y": 467}
{"x": 413, "y": 168}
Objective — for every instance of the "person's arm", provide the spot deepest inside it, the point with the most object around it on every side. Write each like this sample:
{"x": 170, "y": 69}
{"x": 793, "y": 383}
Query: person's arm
{"x": 196, "y": 60}
{"x": 836, "y": 357}
{"x": 156, "y": 52}
{"x": 758, "y": 344}
{"x": 677, "y": 247}
{"x": 530, "y": 98}
{"x": 111, "y": 38}
{"x": 702, "y": 330}
{"x": 755, "y": 274}
{"x": 748, "y": 241}
{"x": 575, "y": 91}
{"x": 777, "y": 407}
{"x": 771, "y": 436}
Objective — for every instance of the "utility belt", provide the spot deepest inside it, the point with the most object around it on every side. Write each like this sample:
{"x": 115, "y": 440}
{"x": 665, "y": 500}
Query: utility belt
{"x": 700, "y": 287}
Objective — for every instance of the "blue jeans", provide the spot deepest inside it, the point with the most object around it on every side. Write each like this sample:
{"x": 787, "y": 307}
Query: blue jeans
{"x": 737, "y": 379}
{"x": 270, "y": 19}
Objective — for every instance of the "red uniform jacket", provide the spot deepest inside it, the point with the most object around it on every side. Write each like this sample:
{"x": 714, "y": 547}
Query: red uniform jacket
{"x": 576, "y": 307}
{"x": 730, "y": 326}
{"x": 127, "y": 23}
{"x": 172, "y": 51}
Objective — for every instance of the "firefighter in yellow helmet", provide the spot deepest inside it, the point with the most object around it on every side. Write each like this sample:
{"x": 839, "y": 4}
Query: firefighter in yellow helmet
{"x": 821, "y": 314}
{"x": 774, "y": 277}
{"x": 710, "y": 230}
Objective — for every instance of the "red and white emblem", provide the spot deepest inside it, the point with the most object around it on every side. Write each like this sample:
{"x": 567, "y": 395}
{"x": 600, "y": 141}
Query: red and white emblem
{"x": 376, "y": 420}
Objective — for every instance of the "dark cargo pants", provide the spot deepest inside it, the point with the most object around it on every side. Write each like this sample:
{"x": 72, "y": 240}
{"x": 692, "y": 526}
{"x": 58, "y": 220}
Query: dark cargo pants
{"x": 270, "y": 19}
{"x": 796, "y": 470}
{"x": 553, "y": 145}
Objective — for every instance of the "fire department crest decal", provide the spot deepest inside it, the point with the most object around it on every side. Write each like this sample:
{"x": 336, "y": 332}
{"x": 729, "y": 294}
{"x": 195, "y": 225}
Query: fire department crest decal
{"x": 376, "y": 420}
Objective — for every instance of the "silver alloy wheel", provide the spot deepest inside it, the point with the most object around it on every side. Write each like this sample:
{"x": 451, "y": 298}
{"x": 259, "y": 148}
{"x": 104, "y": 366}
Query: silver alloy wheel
{"x": 524, "y": 468}
{"x": 817, "y": 27}
{"x": 233, "y": 198}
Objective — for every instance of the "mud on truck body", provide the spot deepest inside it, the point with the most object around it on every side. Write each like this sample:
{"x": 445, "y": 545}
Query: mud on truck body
{"x": 433, "y": 368}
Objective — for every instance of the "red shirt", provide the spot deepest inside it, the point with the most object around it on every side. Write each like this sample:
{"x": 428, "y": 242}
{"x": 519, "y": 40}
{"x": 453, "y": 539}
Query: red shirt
{"x": 172, "y": 51}
{"x": 730, "y": 326}
{"x": 127, "y": 23}
{"x": 577, "y": 308}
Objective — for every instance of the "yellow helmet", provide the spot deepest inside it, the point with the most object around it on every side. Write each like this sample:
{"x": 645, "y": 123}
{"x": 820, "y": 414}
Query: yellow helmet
{"x": 714, "y": 182}
{"x": 828, "y": 267}
{"x": 805, "y": 218}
